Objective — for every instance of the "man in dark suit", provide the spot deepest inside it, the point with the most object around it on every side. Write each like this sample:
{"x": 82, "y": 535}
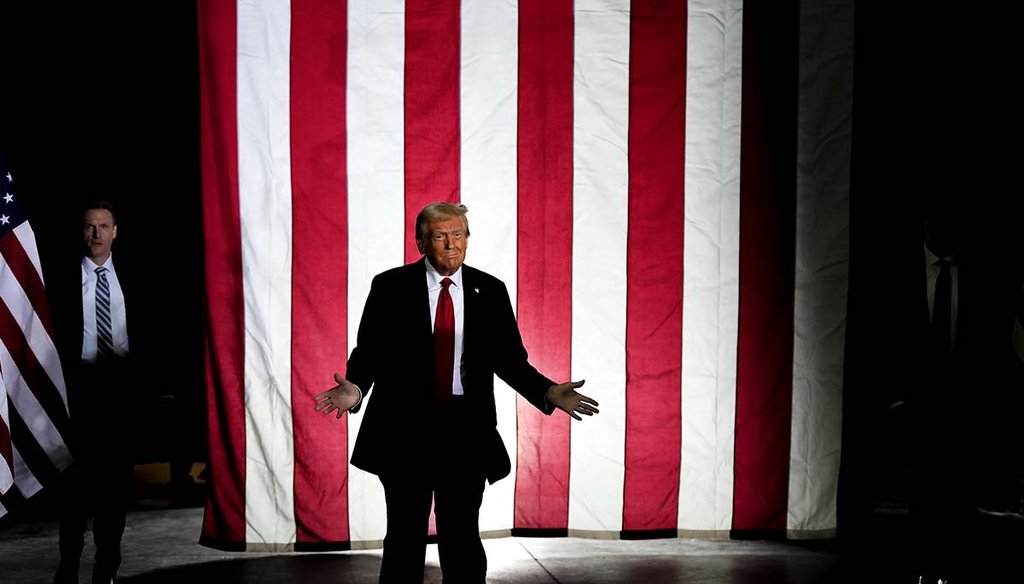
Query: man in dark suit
{"x": 955, "y": 384}
{"x": 433, "y": 335}
{"x": 90, "y": 312}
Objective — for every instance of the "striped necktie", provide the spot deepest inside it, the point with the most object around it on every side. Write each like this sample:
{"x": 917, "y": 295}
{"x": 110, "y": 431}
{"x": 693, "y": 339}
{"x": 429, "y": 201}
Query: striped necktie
{"x": 104, "y": 338}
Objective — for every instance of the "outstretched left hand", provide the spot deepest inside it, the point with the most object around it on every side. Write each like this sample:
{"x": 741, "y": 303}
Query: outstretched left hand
{"x": 340, "y": 398}
{"x": 565, "y": 397}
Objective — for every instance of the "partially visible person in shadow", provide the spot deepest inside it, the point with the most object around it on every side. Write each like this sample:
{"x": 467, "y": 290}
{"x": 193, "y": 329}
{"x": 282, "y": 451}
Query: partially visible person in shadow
{"x": 954, "y": 396}
{"x": 1001, "y": 495}
{"x": 90, "y": 304}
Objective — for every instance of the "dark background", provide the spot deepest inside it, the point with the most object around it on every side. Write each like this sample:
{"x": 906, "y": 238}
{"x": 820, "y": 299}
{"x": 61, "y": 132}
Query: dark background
{"x": 101, "y": 101}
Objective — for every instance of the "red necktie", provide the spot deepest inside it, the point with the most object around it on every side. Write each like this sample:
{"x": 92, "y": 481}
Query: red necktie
{"x": 444, "y": 344}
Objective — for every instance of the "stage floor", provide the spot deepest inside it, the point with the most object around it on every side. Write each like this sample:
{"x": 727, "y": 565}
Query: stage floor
{"x": 161, "y": 546}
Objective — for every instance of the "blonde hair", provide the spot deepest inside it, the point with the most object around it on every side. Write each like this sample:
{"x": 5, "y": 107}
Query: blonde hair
{"x": 437, "y": 212}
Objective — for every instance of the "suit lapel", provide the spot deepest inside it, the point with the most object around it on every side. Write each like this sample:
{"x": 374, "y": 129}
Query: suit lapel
{"x": 470, "y": 306}
{"x": 419, "y": 298}
{"x": 474, "y": 307}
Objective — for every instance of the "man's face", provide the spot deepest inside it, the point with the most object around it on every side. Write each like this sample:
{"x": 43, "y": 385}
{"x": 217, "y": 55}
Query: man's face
{"x": 445, "y": 244}
{"x": 98, "y": 232}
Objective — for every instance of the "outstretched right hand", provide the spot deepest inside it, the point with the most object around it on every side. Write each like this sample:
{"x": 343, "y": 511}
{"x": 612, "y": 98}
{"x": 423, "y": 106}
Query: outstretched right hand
{"x": 339, "y": 398}
{"x": 565, "y": 397}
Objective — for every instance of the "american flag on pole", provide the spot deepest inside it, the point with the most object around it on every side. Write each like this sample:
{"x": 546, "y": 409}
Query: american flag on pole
{"x": 33, "y": 398}
{"x": 663, "y": 186}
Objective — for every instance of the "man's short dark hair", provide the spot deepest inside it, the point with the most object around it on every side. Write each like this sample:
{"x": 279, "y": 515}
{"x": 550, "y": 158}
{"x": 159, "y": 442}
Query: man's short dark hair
{"x": 100, "y": 205}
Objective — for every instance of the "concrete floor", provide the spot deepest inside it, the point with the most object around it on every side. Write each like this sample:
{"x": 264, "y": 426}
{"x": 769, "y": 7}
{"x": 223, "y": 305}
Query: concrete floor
{"x": 160, "y": 547}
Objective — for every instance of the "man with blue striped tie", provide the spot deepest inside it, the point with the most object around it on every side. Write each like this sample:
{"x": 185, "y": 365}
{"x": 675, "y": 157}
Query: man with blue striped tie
{"x": 94, "y": 351}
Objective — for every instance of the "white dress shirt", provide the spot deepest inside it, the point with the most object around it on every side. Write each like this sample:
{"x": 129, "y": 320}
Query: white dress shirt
{"x": 455, "y": 289}
{"x": 119, "y": 327}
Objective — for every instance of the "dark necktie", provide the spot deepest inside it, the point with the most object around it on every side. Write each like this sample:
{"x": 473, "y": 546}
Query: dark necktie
{"x": 104, "y": 338}
{"x": 942, "y": 308}
{"x": 444, "y": 344}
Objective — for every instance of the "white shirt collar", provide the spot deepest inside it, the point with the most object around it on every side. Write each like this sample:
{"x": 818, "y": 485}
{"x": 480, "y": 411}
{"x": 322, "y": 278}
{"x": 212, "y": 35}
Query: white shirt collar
{"x": 89, "y": 266}
{"x": 931, "y": 258}
{"x": 434, "y": 278}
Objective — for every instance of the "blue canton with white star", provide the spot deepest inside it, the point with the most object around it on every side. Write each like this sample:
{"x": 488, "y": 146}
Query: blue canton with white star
{"x": 11, "y": 213}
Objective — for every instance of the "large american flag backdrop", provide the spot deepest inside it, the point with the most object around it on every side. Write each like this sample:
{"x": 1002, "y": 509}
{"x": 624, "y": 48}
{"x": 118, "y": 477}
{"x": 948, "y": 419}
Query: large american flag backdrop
{"x": 664, "y": 187}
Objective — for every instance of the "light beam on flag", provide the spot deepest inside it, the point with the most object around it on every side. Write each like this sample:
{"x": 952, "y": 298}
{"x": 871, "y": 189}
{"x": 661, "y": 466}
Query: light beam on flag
{"x": 663, "y": 186}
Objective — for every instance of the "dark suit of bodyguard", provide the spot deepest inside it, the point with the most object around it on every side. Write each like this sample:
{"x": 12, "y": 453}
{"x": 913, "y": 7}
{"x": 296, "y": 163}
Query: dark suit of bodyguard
{"x": 428, "y": 444}
{"x": 100, "y": 400}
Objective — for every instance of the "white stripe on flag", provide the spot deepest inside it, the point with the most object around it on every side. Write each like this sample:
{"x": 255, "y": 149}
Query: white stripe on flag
{"x": 24, "y": 313}
{"x": 27, "y": 482}
{"x": 6, "y": 467}
{"x": 376, "y": 205}
{"x": 264, "y": 193}
{"x": 39, "y": 340}
{"x": 21, "y": 396}
{"x": 488, "y": 90}
{"x": 822, "y": 264}
{"x": 32, "y": 413}
{"x": 711, "y": 264}
{"x": 600, "y": 211}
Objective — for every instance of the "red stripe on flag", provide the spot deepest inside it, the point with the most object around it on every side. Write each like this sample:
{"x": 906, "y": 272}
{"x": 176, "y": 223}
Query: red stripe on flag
{"x": 545, "y": 252}
{"x": 36, "y": 378}
{"x": 767, "y": 266}
{"x": 432, "y": 141}
{"x": 25, "y": 272}
{"x": 224, "y": 520}
{"x": 319, "y": 263}
{"x": 12, "y": 336}
{"x": 657, "y": 125}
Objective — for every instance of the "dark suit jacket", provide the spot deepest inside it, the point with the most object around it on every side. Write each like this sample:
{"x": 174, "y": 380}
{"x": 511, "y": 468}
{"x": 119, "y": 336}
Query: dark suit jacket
{"x": 101, "y": 416}
{"x": 981, "y": 329}
{"x": 393, "y": 359}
